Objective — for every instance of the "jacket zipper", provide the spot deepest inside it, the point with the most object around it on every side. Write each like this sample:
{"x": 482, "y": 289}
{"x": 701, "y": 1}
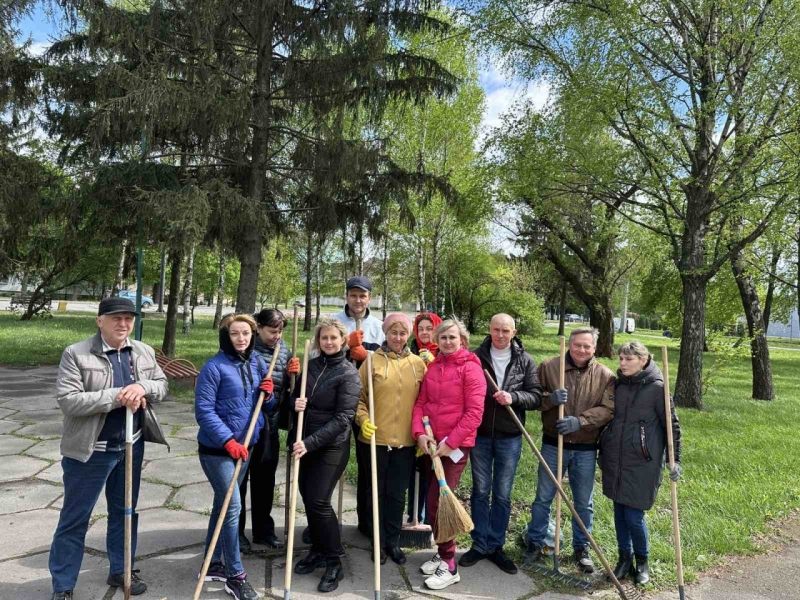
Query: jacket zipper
{"x": 643, "y": 440}
{"x": 308, "y": 398}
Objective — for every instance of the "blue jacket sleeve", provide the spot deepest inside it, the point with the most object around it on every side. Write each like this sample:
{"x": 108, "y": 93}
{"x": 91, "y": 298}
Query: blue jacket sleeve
{"x": 205, "y": 406}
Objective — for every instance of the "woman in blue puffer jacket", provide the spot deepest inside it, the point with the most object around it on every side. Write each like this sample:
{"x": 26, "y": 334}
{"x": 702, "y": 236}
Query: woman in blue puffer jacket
{"x": 227, "y": 392}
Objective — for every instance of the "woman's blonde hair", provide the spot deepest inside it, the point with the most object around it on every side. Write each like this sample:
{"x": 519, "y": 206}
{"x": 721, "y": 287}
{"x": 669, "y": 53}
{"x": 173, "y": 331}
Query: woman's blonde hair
{"x": 324, "y": 323}
{"x": 243, "y": 318}
{"x": 453, "y": 322}
{"x": 634, "y": 348}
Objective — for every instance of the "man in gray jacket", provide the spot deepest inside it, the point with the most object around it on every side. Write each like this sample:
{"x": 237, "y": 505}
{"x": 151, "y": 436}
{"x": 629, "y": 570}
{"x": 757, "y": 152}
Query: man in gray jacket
{"x": 98, "y": 380}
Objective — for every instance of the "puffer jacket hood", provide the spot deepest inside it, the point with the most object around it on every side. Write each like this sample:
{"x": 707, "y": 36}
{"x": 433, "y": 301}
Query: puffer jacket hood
{"x": 519, "y": 380}
{"x": 633, "y": 444}
{"x": 452, "y": 395}
{"x": 396, "y": 381}
{"x": 226, "y": 345}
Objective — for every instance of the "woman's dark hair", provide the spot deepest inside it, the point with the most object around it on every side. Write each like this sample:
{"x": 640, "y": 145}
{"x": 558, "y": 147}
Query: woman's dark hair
{"x": 270, "y": 317}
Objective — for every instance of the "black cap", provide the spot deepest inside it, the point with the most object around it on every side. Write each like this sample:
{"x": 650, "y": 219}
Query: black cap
{"x": 359, "y": 281}
{"x": 113, "y": 304}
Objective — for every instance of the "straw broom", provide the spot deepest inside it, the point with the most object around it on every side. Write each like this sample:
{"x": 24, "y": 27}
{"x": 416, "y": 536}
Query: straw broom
{"x": 451, "y": 518}
{"x": 234, "y": 480}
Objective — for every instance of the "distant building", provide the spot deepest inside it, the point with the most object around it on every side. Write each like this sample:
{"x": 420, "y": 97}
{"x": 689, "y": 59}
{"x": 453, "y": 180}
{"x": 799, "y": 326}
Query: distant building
{"x": 786, "y": 330}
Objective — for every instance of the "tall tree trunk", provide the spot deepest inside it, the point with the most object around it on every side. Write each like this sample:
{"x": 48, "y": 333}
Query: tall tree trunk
{"x": 776, "y": 258}
{"x": 24, "y": 284}
{"x": 437, "y": 232}
{"x": 120, "y": 268}
{"x": 421, "y": 274}
{"x": 318, "y": 282}
{"x": 360, "y": 248}
{"x": 689, "y": 385}
{"x": 251, "y": 255}
{"x": 162, "y": 281}
{"x": 601, "y": 317}
{"x": 171, "y": 325}
{"x": 187, "y": 291}
{"x": 385, "y": 275}
{"x": 309, "y": 265}
{"x": 220, "y": 291}
{"x": 624, "y": 317}
{"x": 759, "y": 351}
{"x": 562, "y": 308}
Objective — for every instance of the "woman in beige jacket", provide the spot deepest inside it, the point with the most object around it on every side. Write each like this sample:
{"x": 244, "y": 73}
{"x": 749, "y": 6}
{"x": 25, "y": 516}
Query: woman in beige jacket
{"x": 396, "y": 377}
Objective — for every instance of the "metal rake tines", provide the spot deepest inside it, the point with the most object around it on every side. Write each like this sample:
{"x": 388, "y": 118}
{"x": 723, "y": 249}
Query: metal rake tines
{"x": 563, "y": 577}
{"x": 630, "y": 592}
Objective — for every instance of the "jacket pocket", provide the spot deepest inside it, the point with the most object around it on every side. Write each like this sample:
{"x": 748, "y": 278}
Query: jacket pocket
{"x": 642, "y": 440}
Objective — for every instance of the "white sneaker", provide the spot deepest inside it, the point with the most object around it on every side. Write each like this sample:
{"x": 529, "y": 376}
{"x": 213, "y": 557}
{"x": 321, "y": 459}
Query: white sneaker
{"x": 429, "y": 568}
{"x": 442, "y": 578}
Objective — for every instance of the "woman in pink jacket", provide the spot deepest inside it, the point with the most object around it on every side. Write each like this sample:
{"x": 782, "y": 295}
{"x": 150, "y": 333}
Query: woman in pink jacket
{"x": 451, "y": 396}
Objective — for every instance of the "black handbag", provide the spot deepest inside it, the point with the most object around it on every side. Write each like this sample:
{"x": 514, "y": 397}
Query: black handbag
{"x": 151, "y": 428}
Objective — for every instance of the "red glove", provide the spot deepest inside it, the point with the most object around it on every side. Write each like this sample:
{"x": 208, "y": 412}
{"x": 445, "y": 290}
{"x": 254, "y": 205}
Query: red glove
{"x": 355, "y": 339}
{"x": 236, "y": 450}
{"x": 266, "y": 385}
{"x": 293, "y": 366}
{"x": 358, "y": 353}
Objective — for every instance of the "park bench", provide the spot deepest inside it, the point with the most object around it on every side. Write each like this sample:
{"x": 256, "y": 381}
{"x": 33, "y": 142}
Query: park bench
{"x": 177, "y": 368}
{"x": 20, "y": 302}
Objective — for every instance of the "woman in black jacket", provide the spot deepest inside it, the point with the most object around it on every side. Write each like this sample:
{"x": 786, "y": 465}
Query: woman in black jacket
{"x": 332, "y": 392}
{"x": 632, "y": 454}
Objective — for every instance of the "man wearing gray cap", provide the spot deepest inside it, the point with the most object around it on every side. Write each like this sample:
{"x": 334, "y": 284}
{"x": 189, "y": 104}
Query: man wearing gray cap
{"x": 98, "y": 379}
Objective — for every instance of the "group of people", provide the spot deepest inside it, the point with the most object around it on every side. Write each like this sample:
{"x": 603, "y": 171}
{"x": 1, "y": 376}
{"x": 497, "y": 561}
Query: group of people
{"x": 435, "y": 375}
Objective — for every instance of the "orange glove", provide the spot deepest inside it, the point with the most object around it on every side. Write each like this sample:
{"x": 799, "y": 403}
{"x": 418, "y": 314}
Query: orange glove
{"x": 355, "y": 339}
{"x": 266, "y": 385}
{"x": 358, "y": 353}
{"x": 236, "y": 450}
{"x": 293, "y": 366}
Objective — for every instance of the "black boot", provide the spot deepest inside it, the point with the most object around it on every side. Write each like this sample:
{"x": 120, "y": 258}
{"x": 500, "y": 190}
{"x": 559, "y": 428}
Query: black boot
{"x": 624, "y": 566}
{"x": 334, "y": 573}
{"x": 642, "y": 571}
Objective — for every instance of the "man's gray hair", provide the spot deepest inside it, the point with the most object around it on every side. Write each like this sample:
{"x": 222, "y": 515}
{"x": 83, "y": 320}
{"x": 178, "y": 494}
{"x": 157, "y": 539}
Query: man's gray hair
{"x": 590, "y": 330}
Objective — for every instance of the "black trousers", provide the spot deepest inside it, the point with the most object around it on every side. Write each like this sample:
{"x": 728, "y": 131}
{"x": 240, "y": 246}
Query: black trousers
{"x": 363, "y": 499}
{"x": 418, "y": 466}
{"x": 261, "y": 472}
{"x": 319, "y": 473}
{"x": 393, "y": 466}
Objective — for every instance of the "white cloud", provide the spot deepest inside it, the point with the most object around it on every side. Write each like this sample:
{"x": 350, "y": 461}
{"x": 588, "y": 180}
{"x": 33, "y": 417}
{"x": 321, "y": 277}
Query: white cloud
{"x": 39, "y": 48}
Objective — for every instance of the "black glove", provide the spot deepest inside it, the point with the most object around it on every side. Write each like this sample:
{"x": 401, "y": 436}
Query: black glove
{"x": 558, "y": 396}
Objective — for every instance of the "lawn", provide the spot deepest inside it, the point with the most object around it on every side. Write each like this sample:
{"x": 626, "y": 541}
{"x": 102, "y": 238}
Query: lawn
{"x": 741, "y": 473}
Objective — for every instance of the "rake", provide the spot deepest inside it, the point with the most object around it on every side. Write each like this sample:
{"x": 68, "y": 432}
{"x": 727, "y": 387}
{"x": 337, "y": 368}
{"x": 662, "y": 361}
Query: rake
{"x": 288, "y": 479}
{"x": 626, "y": 592}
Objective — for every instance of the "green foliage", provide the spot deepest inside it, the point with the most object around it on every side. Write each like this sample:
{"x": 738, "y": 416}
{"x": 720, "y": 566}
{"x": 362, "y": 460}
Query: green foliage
{"x": 279, "y": 279}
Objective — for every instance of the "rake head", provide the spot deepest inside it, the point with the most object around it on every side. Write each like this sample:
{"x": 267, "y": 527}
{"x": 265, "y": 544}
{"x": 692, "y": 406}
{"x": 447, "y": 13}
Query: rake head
{"x": 562, "y": 577}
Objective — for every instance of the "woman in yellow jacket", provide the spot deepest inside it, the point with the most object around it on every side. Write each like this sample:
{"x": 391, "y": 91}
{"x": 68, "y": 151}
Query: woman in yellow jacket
{"x": 396, "y": 378}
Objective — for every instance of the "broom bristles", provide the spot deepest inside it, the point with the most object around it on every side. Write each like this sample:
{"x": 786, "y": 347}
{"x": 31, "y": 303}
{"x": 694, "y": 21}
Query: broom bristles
{"x": 451, "y": 519}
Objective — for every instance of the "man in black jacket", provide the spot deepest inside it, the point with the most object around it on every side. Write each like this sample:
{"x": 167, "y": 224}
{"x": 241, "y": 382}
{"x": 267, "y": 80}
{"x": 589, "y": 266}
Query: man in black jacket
{"x": 498, "y": 444}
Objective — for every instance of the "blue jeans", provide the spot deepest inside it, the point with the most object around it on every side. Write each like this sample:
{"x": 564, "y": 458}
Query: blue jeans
{"x": 631, "y": 530}
{"x": 83, "y": 483}
{"x": 219, "y": 470}
{"x": 494, "y": 464}
{"x": 580, "y": 464}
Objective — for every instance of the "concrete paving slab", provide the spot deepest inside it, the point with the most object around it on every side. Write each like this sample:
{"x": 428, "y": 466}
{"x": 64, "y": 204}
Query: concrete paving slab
{"x": 197, "y": 497}
{"x": 6, "y": 412}
{"x": 28, "y": 386}
{"x": 31, "y": 531}
{"x": 9, "y": 426}
{"x": 32, "y": 402}
{"x": 37, "y": 416}
{"x": 175, "y": 471}
{"x": 173, "y": 576}
{"x": 26, "y": 495}
{"x": 357, "y": 583}
{"x": 171, "y": 407}
{"x": 52, "y": 429}
{"x": 28, "y": 578}
{"x": 160, "y": 529}
{"x": 10, "y": 445}
{"x": 187, "y": 433}
{"x": 151, "y": 495}
{"x": 178, "y": 418}
{"x": 53, "y": 473}
{"x": 177, "y": 447}
{"x": 478, "y": 582}
{"x": 48, "y": 450}
{"x": 20, "y": 467}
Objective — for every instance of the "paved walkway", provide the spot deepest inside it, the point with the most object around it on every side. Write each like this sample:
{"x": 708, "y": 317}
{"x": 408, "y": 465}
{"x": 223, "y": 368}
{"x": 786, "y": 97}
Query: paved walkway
{"x": 174, "y": 503}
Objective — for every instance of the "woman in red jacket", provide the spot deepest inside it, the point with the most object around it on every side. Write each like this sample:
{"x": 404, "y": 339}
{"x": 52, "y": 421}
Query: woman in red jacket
{"x": 451, "y": 396}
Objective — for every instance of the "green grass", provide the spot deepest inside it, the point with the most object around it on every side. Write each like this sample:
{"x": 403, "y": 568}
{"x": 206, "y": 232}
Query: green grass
{"x": 741, "y": 474}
